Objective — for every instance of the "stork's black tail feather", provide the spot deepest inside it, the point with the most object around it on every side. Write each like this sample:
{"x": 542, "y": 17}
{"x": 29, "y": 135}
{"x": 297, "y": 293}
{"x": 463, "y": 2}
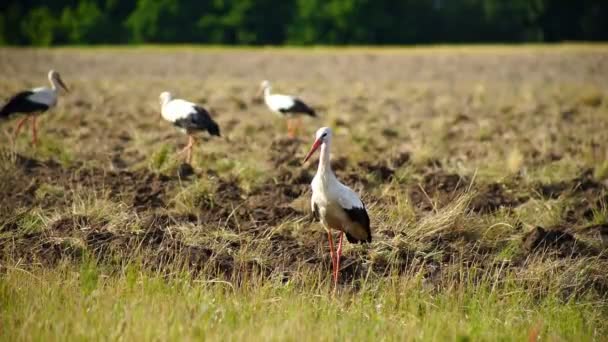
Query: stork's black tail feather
{"x": 213, "y": 128}
{"x": 4, "y": 113}
{"x": 301, "y": 107}
{"x": 19, "y": 103}
{"x": 7, "y": 111}
{"x": 204, "y": 121}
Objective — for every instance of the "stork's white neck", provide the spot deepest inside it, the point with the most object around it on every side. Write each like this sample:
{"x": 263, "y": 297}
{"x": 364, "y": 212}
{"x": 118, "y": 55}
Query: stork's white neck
{"x": 165, "y": 99}
{"x": 54, "y": 84}
{"x": 266, "y": 91}
{"x": 324, "y": 168}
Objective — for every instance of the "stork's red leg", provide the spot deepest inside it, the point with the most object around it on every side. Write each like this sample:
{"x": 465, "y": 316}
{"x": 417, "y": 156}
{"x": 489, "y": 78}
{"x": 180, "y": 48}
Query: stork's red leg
{"x": 191, "y": 144}
{"x": 338, "y": 255}
{"x": 188, "y": 149}
{"x": 18, "y": 128}
{"x": 290, "y": 128}
{"x": 331, "y": 251}
{"x": 298, "y": 125}
{"x": 34, "y": 132}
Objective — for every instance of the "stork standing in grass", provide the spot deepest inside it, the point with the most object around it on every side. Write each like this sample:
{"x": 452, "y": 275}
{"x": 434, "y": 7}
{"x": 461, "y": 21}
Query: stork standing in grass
{"x": 189, "y": 118}
{"x": 336, "y": 205}
{"x": 286, "y": 106}
{"x": 32, "y": 103}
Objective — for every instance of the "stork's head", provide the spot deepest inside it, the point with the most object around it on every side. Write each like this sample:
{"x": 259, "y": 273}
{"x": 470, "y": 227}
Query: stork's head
{"x": 323, "y": 136}
{"x": 263, "y": 86}
{"x": 165, "y": 97}
{"x": 56, "y": 80}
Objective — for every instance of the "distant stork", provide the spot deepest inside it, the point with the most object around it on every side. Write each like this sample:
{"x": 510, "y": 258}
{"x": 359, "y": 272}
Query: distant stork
{"x": 189, "y": 118}
{"x": 33, "y": 102}
{"x": 285, "y": 105}
{"x": 335, "y": 204}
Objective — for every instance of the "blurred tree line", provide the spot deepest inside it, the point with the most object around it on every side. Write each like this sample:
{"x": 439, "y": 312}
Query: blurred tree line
{"x": 300, "y": 22}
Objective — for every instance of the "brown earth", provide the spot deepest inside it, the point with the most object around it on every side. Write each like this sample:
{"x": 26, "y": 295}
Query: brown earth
{"x": 425, "y": 129}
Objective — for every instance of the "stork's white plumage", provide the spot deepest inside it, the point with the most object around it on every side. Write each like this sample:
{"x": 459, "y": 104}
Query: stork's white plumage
{"x": 33, "y": 102}
{"x": 335, "y": 204}
{"x": 285, "y": 105}
{"x": 189, "y": 118}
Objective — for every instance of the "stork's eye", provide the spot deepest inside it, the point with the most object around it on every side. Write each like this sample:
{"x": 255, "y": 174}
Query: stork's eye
{"x": 323, "y": 135}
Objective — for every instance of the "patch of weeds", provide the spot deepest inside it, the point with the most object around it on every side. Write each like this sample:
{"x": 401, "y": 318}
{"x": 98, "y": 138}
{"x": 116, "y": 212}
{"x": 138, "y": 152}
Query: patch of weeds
{"x": 32, "y": 222}
{"x": 160, "y": 158}
{"x": 555, "y": 171}
{"x": 191, "y": 196}
{"x": 190, "y": 234}
{"x": 484, "y": 133}
{"x": 249, "y": 176}
{"x": 132, "y": 272}
{"x": 515, "y": 160}
{"x": 600, "y": 214}
{"x": 402, "y": 209}
{"x": 373, "y": 178}
{"x": 424, "y": 154}
{"x": 499, "y": 226}
{"x": 88, "y": 275}
{"x": 444, "y": 219}
{"x": 49, "y": 190}
{"x": 403, "y": 175}
{"x": 544, "y": 213}
{"x": 99, "y": 208}
{"x": 601, "y": 170}
{"x": 250, "y": 130}
{"x": 592, "y": 98}
{"x": 224, "y": 165}
{"x": 364, "y": 141}
{"x": 53, "y": 149}
{"x": 510, "y": 251}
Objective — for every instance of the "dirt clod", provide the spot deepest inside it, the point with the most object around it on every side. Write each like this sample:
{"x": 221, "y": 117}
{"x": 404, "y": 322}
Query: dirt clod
{"x": 494, "y": 196}
{"x": 554, "y": 239}
{"x": 185, "y": 170}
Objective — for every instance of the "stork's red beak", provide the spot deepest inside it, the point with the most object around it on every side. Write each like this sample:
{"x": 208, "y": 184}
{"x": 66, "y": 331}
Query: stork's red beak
{"x": 314, "y": 147}
{"x": 60, "y": 81}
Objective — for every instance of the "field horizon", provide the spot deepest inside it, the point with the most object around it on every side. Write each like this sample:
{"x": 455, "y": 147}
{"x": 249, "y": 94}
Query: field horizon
{"x": 485, "y": 175}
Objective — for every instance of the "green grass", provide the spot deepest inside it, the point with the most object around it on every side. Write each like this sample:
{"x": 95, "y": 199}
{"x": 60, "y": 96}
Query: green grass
{"x": 42, "y": 305}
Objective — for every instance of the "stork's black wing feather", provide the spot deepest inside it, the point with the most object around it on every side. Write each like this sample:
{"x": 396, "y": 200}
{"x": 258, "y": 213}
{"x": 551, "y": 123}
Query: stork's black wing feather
{"x": 360, "y": 216}
{"x": 19, "y": 103}
{"x": 299, "y": 107}
{"x": 199, "y": 121}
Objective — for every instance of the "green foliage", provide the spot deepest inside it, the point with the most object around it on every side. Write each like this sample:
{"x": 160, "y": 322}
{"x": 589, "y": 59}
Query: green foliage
{"x": 3, "y": 37}
{"x": 245, "y": 21}
{"x": 301, "y": 22}
{"x": 38, "y": 26}
{"x": 85, "y": 24}
{"x": 154, "y": 21}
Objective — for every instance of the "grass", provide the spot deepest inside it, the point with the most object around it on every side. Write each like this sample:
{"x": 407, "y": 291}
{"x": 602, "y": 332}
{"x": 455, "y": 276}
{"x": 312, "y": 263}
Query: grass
{"x": 459, "y": 153}
{"x": 139, "y": 306}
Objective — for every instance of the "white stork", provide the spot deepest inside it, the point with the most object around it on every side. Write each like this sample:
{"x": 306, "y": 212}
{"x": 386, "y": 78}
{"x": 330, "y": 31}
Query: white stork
{"x": 335, "y": 204}
{"x": 33, "y": 102}
{"x": 285, "y": 105}
{"x": 189, "y": 118}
